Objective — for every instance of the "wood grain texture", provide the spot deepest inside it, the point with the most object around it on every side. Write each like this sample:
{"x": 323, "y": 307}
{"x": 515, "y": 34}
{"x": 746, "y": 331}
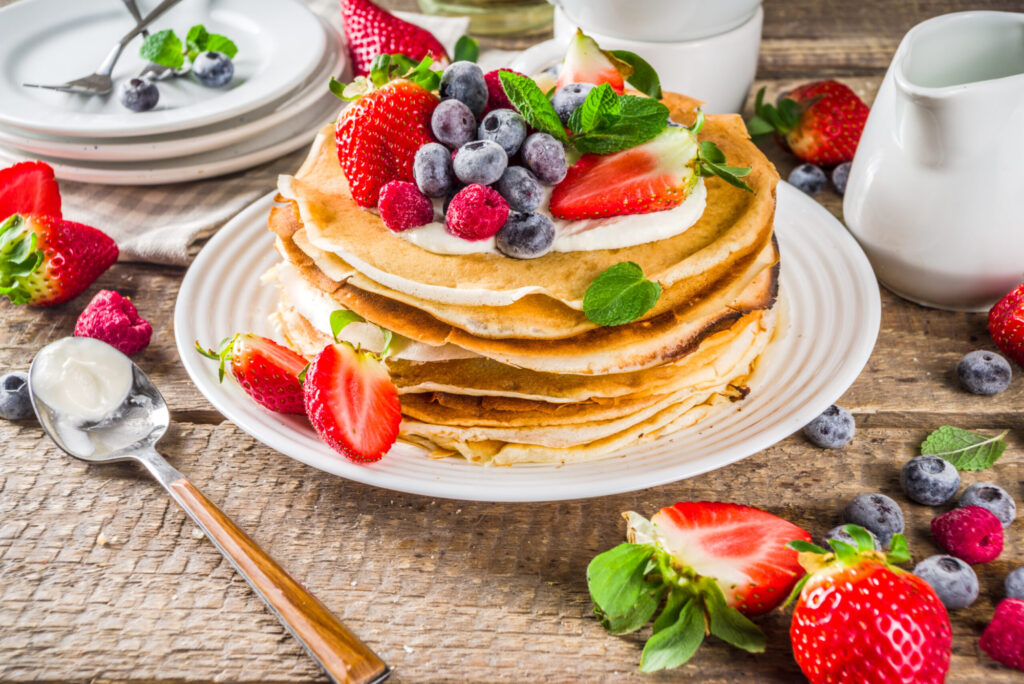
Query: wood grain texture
{"x": 102, "y": 577}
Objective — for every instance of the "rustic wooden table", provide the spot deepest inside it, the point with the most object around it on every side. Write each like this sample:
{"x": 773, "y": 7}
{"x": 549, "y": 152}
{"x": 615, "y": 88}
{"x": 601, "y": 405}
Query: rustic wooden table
{"x": 103, "y": 578}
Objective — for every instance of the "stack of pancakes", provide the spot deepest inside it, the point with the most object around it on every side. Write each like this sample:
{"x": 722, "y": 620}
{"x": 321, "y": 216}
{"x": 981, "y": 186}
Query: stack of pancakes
{"x": 493, "y": 357}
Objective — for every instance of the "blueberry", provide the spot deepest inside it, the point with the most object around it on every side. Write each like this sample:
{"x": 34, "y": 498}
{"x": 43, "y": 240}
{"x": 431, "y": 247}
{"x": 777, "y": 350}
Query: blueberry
{"x": 453, "y": 123}
{"x": 464, "y": 81}
{"x": 952, "y": 579}
{"x": 480, "y": 161}
{"x": 505, "y": 127}
{"x": 839, "y": 532}
{"x": 808, "y": 178}
{"x": 546, "y": 158}
{"x": 993, "y": 498}
{"x": 984, "y": 372}
{"x": 432, "y": 170}
{"x": 567, "y": 98}
{"x": 525, "y": 235}
{"x": 876, "y": 513}
{"x": 14, "y": 400}
{"x": 1014, "y": 584}
{"x": 834, "y": 428}
{"x": 213, "y": 69}
{"x": 138, "y": 94}
{"x": 929, "y": 480}
{"x": 520, "y": 188}
{"x": 840, "y": 175}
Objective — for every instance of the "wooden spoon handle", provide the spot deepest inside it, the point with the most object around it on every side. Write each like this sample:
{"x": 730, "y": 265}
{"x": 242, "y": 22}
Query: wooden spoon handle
{"x": 342, "y": 655}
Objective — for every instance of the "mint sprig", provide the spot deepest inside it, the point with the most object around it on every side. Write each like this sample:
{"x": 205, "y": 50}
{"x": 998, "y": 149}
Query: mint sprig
{"x": 166, "y": 49}
{"x": 527, "y": 97}
{"x": 633, "y": 122}
{"x": 964, "y": 449}
{"x": 466, "y": 50}
{"x": 711, "y": 160}
{"x": 644, "y": 78}
{"x": 621, "y": 294}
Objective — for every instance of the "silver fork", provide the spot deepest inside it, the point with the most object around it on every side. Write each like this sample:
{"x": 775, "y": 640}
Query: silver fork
{"x": 152, "y": 71}
{"x": 100, "y": 83}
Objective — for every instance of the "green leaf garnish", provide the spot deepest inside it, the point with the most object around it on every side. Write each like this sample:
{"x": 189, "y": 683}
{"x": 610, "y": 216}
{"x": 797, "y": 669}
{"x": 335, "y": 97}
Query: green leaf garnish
{"x": 195, "y": 40}
{"x": 221, "y": 44}
{"x": 639, "y": 119}
{"x": 676, "y": 643}
{"x": 621, "y": 294}
{"x": 341, "y": 318}
{"x": 602, "y": 107}
{"x": 527, "y": 97}
{"x": 644, "y": 78}
{"x": 964, "y": 449}
{"x": 466, "y": 50}
{"x": 163, "y": 48}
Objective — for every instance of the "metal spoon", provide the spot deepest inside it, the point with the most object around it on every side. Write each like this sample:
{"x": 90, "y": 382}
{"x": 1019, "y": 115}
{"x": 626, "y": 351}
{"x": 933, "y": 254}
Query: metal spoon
{"x": 130, "y": 434}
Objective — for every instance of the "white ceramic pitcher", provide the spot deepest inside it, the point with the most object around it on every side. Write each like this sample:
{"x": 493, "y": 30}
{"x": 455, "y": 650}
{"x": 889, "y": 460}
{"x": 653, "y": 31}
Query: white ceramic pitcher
{"x": 936, "y": 192}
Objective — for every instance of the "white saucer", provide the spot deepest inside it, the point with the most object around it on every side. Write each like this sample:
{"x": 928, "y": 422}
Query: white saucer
{"x": 280, "y": 43}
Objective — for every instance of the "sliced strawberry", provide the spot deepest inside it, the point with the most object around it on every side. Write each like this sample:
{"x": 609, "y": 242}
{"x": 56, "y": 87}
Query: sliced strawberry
{"x": 1006, "y": 324}
{"x": 352, "y": 403}
{"x": 29, "y": 188}
{"x": 45, "y": 261}
{"x": 371, "y": 31}
{"x": 654, "y": 176}
{"x": 586, "y": 62}
{"x": 267, "y": 371}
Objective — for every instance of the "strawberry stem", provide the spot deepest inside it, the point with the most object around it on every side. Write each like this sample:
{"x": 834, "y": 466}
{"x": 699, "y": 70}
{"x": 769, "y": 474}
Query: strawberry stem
{"x": 20, "y": 257}
{"x": 223, "y": 354}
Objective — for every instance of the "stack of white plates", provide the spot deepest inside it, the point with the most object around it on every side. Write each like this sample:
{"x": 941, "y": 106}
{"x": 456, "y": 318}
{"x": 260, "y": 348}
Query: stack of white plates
{"x": 275, "y": 103}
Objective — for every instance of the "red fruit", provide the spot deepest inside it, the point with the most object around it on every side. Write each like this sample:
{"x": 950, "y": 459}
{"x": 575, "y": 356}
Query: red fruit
{"x": 476, "y": 212}
{"x": 29, "y": 188}
{"x": 371, "y": 31}
{"x": 352, "y": 403}
{"x": 267, "y": 371}
{"x": 378, "y": 135}
{"x": 113, "y": 319}
{"x": 496, "y": 97}
{"x": 45, "y": 260}
{"x": 742, "y": 548}
{"x": 1006, "y": 324}
{"x": 654, "y": 176}
{"x": 971, "y": 533}
{"x": 403, "y": 206}
{"x": 821, "y": 122}
{"x": 585, "y": 62}
{"x": 860, "y": 619}
{"x": 1003, "y": 639}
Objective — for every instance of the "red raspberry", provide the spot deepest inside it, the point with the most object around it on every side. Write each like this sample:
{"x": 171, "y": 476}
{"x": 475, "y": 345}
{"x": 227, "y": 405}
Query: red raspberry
{"x": 403, "y": 206}
{"x": 113, "y": 319}
{"x": 496, "y": 97}
{"x": 476, "y": 212}
{"x": 971, "y": 533}
{"x": 1003, "y": 639}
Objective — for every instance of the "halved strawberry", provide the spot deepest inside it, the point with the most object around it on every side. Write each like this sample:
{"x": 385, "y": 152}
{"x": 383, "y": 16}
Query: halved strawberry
{"x": 29, "y": 188}
{"x": 654, "y": 176}
{"x": 267, "y": 371}
{"x": 352, "y": 403}
{"x": 586, "y": 62}
{"x": 371, "y": 31}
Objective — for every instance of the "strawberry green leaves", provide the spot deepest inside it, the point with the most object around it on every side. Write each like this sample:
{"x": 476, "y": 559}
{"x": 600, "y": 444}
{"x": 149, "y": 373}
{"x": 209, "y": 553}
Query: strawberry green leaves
{"x": 621, "y": 294}
{"x": 711, "y": 160}
{"x": 466, "y": 49}
{"x": 340, "y": 319}
{"x": 768, "y": 119}
{"x": 20, "y": 257}
{"x": 383, "y": 69}
{"x": 964, "y": 449}
{"x": 644, "y": 78}
{"x": 165, "y": 48}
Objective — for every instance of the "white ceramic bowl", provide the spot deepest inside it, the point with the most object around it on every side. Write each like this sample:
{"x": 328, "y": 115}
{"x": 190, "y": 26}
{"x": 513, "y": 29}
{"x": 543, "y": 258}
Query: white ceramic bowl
{"x": 658, "y": 20}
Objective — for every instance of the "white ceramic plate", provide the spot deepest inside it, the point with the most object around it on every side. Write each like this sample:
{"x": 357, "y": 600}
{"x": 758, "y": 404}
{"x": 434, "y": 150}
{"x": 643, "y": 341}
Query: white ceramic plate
{"x": 834, "y": 313}
{"x": 280, "y": 43}
{"x": 184, "y": 143}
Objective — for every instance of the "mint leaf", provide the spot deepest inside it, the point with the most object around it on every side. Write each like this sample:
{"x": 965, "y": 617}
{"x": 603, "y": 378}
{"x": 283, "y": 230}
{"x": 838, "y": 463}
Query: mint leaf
{"x": 965, "y": 450}
{"x": 527, "y": 97}
{"x": 601, "y": 108}
{"x": 616, "y": 578}
{"x": 221, "y": 44}
{"x": 620, "y": 295}
{"x": 675, "y": 644}
{"x": 729, "y": 624}
{"x": 163, "y": 48}
{"x": 195, "y": 41}
{"x": 644, "y": 78}
{"x": 639, "y": 120}
{"x": 466, "y": 49}
{"x": 341, "y": 318}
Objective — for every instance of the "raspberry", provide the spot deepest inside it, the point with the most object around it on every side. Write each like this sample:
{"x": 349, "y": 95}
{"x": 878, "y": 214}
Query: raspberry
{"x": 1003, "y": 639}
{"x": 403, "y": 206}
{"x": 496, "y": 97}
{"x": 971, "y": 533}
{"x": 476, "y": 212}
{"x": 113, "y": 319}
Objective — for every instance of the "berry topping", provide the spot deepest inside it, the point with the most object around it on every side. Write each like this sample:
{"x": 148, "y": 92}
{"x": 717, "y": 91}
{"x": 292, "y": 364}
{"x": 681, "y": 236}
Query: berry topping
{"x": 808, "y": 178}
{"x": 476, "y": 213}
{"x": 480, "y": 161}
{"x": 29, "y": 188}
{"x": 138, "y": 94}
{"x": 992, "y": 498}
{"x": 1003, "y": 639}
{"x": 402, "y": 206}
{"x": 1006, "y": 324}
{"x": 984, "y": 372}
{"x": 546, "y": 158}
{"x": 113, "y": 319}
{"x": 567, "y": 98}
{"x": 453, "y": 123}
{"x": 585, "y": 62}
{"x": 953, "y": 580}
{"x": 15, "y": 403}
{"x": 1014, "y": 583}
{"x": 520, "y": 188}
{"x": 929, "y": 480}
{"x": 833, "y": 429}
{"x": 213, "y": 69}
{"x": 371, "y": 31}
{"x": 877, "y": 513}
{"x": 267, "y": 371}
{"x": 464, "y": 81}
{"x": 525, "y": 235}
{"x": 432, "y": 169}
{"x": 840, "y": 175}
{"x": 496, "y": 97}
{"x": 971, "y": 533}
{"x": 505, "y": 127}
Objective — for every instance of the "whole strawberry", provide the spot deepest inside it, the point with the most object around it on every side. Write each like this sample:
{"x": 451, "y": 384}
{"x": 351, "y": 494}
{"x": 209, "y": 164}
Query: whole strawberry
{"x": 1003, "y": 639}
{"x": 115, "y": 320}
{"x": 820, "y": 122}
{"x": 45, "y": 261}
{"x": 371, "y": 31}
{"x": 859, "y": 618}
{"x": 1006, "y": 324}
{"x": 268, "y": 372}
